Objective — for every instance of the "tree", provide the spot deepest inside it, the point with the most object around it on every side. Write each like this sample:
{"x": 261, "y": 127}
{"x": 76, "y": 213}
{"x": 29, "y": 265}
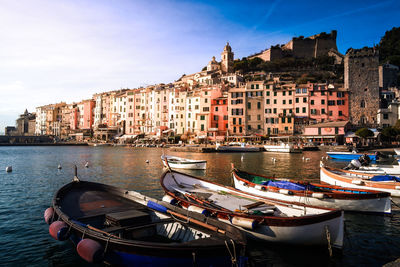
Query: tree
{"x": 389, "y": 47}
{"x": 389, "y": 133}
{"x": 364, "y": 133}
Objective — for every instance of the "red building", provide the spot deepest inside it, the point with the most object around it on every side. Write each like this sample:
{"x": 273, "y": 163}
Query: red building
{"x": 219, "y": 118}
{"x": 328, "y": 103}
{"x": 88, "y": 115}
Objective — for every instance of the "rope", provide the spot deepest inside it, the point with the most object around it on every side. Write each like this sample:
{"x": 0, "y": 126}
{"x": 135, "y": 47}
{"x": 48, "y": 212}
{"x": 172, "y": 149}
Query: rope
{"x": 328, "y": 237}
{"x": 105, "y": 249}
{"x": 233, "y": 256}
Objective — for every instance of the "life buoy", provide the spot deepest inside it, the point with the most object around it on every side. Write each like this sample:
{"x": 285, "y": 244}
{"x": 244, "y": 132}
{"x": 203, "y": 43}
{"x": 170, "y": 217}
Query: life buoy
{"x": 59, "y": 230}
{"x": 90, "y": 250}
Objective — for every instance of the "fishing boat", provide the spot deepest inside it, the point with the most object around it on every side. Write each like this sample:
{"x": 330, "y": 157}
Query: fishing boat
{"x": 347, "y": 178}
{"x": 375, "y": 169}
{"x": 235, "y": 148}
{"x": 329, "y": 196}
{"x": 262, "y": 219}
{"x": 350, "y": 155}
{"x": 125, "y": 228}
{"x": 283, "y": 147}
{"x": 182, "y": 163}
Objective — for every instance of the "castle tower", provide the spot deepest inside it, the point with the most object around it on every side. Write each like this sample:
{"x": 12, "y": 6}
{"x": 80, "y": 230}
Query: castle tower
{"x": 227, "y": 59}
{"x": 361, "y": 78}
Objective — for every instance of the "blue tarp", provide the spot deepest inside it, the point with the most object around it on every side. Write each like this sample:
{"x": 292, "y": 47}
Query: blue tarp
{"x": 287, "y": 185}
{"x": 382, "y": 178}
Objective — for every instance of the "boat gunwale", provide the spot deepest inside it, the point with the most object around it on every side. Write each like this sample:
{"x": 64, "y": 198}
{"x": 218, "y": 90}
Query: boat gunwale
{"x": 372, "y": 194}
{"x": 261, "y": 219}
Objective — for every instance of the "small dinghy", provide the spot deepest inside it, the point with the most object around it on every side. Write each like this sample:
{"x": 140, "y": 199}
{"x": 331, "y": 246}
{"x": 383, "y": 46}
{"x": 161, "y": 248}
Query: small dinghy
{"x": 346, "y": 178}
{"x": 328, "y": 196}
{"x": 261, "y": 218}
{"x": 126, "y": 228}
{"x": 182, "y": 163}
{"x": 350, "y": 155}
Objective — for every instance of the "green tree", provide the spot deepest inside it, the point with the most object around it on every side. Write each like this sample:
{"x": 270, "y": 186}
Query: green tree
{"x": 389, "y": 133}
{"x": 389, "y": 47}
{"x": 364, "y": 133}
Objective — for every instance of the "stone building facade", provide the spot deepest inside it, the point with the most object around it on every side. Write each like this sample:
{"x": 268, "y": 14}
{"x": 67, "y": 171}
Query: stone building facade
{"x": 361, "y": 79}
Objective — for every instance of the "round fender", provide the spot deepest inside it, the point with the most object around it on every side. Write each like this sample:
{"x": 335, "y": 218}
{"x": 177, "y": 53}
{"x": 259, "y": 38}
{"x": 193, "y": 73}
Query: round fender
{"x": 59, "y": 230}
{"x": 48, "y": 215}
{"x": 90, "y": 250}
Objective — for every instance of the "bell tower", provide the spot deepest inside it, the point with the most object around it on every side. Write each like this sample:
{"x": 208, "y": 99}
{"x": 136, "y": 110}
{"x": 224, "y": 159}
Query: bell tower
{"x": 227, "y": 59}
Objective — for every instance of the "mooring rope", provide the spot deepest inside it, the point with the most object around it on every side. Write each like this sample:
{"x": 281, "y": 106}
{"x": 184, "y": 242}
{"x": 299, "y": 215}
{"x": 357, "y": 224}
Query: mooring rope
{"x": 328, "y": 237}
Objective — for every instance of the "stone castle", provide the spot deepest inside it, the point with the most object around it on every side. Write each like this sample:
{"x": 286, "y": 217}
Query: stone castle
{"x": 361, "y": 79}
{"x": 300, "y": 47}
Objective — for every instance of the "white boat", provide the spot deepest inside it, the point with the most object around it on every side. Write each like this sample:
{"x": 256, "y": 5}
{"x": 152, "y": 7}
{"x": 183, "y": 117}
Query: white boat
{"x": 346, "y": 178}
{"x": 282, "y": 147}
{"x": 320, "y": 195}
{"x": 182, "y": 163}
{"x": 379, "y": 169}
{"x": 242, "y": 148}
{"x": 261, "y": 218}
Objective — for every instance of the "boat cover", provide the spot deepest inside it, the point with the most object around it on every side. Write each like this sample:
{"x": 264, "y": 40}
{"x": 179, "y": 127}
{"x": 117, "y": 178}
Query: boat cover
{"x": 288, "y": 185}
{"x": 383, "y": 178}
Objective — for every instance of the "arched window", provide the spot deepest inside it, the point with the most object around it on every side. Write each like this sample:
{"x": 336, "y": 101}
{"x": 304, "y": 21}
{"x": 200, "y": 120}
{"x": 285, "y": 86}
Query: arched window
{"x": 362, "y": 104}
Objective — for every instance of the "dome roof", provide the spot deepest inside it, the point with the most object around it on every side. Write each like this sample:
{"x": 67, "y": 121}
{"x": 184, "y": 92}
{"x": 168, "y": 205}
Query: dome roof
{"x": 227, "y": 47}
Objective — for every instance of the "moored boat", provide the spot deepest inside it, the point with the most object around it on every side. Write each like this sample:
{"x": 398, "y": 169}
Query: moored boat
{"x": 261, "y": 218}
{"x": 126, "y": 228}
{"x": 283, "y": 147}
{"x": 350, "y": 155}
{"x": 314, "y": 194}
{"x": 346, "y": 178}
{"x": 182, "y": 163}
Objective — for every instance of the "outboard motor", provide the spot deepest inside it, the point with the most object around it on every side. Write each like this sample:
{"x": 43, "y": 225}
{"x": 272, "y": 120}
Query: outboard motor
{"x": 364, "y": 160}
{"x": 355, "y": 164}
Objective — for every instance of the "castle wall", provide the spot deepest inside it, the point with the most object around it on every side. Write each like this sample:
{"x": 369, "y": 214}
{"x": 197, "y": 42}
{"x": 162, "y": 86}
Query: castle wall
{"x": 362, "y": 80}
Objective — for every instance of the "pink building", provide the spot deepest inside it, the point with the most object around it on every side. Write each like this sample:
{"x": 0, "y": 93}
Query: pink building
{"x": 328, "y": 132}
{"x": 74, "y": 117}
{"x": 88, "y": 114}
{"x": 219, "y": 117}
{"x": 328, "y": 103}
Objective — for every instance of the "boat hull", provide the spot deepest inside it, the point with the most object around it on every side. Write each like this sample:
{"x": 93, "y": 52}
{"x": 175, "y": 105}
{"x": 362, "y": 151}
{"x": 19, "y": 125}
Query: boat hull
{"x": 362, "y": 204}
{"x": 300, "y": 229}
{"x": 237, "y": 149}
{"x": 180, "y": 163}
{"x": 353, "y": 181}
{"x": 348, "y": 155}
{"x": 282, "y": 149}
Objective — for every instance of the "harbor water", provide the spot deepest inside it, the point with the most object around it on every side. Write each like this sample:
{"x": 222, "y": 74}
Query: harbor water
{"x": 28, "y": 190}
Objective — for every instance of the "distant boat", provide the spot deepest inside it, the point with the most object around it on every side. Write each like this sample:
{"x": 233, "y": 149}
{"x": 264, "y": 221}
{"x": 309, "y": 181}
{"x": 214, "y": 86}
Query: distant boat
{"x": 126, "y": 228}
{"x": 302, "y": 192}
{"x": 350, "y": 155}
{"x": 236, "y": 148}
{"x": 346, "y": 178}
{"x": 182, "y": 163}
{"x": 282, "y": 147}
{"x": 263, "y": 219}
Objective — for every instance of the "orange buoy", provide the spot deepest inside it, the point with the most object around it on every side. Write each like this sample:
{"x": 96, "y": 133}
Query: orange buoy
{"x": 59, "y": 230}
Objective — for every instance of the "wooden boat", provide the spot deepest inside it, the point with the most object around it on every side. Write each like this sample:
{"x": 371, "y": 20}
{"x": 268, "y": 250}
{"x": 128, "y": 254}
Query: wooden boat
{"x": 261, "y": 218}
{"x": 350, "y": 155}
{"x": 126, "y": 228}
{"x": 328, "y": 196}
{"x": 346, "y": 178}
{"x": 283, "y": 147}
{"x": 242, "y": 148}
{"x": 378, "y": 169}
{"x": 182, "y": 163}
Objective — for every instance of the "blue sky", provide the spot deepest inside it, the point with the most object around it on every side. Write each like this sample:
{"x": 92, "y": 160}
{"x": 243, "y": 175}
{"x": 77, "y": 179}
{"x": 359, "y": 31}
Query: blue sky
{"x": 53, "y": 50}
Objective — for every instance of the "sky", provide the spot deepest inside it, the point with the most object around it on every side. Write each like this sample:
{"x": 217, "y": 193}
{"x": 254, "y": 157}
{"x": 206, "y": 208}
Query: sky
{"x": 67, "y": 50}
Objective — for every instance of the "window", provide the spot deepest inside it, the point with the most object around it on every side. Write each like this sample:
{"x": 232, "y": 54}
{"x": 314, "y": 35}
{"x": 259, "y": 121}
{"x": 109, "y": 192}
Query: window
{"x": 385, "y": 116}
{"x": 289, "y": 120}
{"x": 196, "y": 107}
{"x": 267, "y": 102}
{"x": 205, "y": 109}
{"x": 248, "y": 127}
{"x": 258, "y": 105}
{"x": 322, "y": 101}
{"x": 234, "y": 129}
{"x": 297, "y": 110}
{"x": 286, "y": 128}
{"x": 304, "y": 99}
{"x": 304, "y": 90}
{"x": 240, "y": 120}
{"x": 248, "y": 105}
{"x": 330, "y": 113}
{"x": 225, "y": 117}
{"x": 298, "y": 90}
{"x": 362, "y": 104}
{"x": 331, "y": 102}
{"x": 340, "y": 113}
{"x": 267, "y": 93}
{"x": 284, "y": 93}
{"x": 275, "y": 94}
{"x": 216, "y": 108}
{"x": 274, "y": 110}
{"x": 258, "y": 117}
{"x": 297, "y": 100}
{"x": 240, "y": 129}
{"x": 234, "y": 120}
{"x": 284, "y": 102}
{"x": 312, "y": 102}
{"x": 339, "y": 94}
{"x": 252, "y": 86}
{"x": 290, "y": 101}
{"x": 274, "y": 101}
{"x": 290, "y": 92}
{"x": 323, "y": 111}
{"x": 304, "y": 110}
{"x": 206, "y": 100}
{"x": 312, "y": 93}
{"x": 257, "y": 86}
{"x": 322, "y": 93}
{"x": 202, "y": 127}
{"x": 189, "y": 116}
{"x": 202, "y": 117}
{"x": 283, "y": 119}
{"x": 258, "y": 126}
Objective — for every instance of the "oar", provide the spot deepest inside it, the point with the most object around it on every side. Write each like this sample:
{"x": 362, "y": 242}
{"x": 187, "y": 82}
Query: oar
{"x": 170, "y": 171}
{"x": 94, "y": 228}
{"x": 163, "y": 209}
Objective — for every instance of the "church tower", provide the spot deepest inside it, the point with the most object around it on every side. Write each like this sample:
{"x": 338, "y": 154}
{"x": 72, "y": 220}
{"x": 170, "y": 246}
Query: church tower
{"x": 227, "y": 59}
{"x": 361, "y": 79}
